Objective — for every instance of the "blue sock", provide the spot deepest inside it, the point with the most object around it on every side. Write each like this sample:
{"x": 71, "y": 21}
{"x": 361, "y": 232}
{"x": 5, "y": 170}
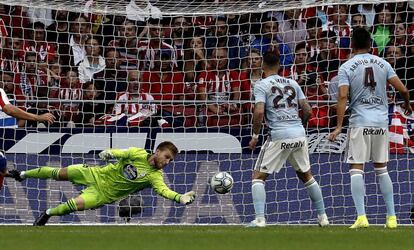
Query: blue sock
{"x": 358, "y": 190}
{"x": 315, "y": 194}
{"x": 387, "y": 190}
{"x": 259, "y": 197}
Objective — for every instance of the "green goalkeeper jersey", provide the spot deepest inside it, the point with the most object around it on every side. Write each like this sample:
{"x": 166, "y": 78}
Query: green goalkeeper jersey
{"x": 129, "y": 174}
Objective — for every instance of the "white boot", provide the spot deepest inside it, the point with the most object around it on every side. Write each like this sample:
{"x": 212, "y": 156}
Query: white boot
{"x": 323, "y": 220}
{"x": 258, "y": 222}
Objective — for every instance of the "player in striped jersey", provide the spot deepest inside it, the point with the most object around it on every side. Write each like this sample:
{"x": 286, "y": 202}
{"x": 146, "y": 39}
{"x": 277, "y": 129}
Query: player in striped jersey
{"x": 365, "y": 78}
{"x": 281, "y": 99}
{"x": 14, "y": 111}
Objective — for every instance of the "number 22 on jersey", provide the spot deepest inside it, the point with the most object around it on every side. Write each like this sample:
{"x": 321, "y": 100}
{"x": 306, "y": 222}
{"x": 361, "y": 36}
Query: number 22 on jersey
{"x": 280, "y": 101}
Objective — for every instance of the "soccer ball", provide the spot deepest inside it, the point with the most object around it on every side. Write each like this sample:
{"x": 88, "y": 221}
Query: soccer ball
{"x": 221, "y": 182}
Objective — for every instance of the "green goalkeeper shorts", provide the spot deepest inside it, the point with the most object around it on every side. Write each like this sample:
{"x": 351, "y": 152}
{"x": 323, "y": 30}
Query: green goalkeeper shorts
{"x": 81, "y": 174}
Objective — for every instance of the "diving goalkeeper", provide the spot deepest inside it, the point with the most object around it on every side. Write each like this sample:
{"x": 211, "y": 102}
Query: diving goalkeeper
{"x": 134, "y": 170}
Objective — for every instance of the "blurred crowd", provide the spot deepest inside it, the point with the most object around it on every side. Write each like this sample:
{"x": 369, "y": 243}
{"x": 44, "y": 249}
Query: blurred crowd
{"x": 95, "y": 70}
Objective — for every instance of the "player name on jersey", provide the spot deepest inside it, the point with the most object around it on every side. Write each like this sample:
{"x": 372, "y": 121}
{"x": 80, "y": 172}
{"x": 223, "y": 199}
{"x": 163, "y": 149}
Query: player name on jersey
{"x": 372, "y": 100}
{"x": 280, "y": 80}
{"x": 365, "y": 62}
{"x": 287, "y": 117}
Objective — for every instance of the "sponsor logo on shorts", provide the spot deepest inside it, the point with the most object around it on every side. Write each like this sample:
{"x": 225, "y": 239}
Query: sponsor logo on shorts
{"x": 374, "y": 131}
{"x": 130, "y": 172}
{"x": 297, "y": 144}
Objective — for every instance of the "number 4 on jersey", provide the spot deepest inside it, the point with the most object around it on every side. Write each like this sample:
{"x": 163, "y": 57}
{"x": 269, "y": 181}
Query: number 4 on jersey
{"x": 369, "y": 80}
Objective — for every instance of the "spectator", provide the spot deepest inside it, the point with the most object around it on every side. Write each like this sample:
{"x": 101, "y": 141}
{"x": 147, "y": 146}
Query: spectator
{"x": 302, "y": 72}
{"x": 251, "y": 74}
{"x": 220, "y": 38}
{"x": 37, "y": 43}
{"x": 32, "y": 80}
{"x": 113, "y": 78}
{"x": 194, "y": 59}
{"x": 269, "y": 41}
{"x": 137, "y": 113}
{"x": 93, "y": 62}
{"x": 71, "y": 90}
{"x": 401, "y": 38}
{"x": 127, "y": 44}
{"x": 15, "y": 18}
{"x": 180, "y": 29}
{"x": 368, "y": 11}
{"x": 314, "y": 29}
{"x": 292, "y": 30}
{"x": 7, "y": 84}
{"x": 403, "y": 65}
{"x": 150, "y": 50}
{"x": 339, "y": 24}
{"x": 58, "y": 31}
{"x": 90, "y": 110}
{"x": 39, "y": 108}
{"x": 326, "y": 61}
{"x": 383, "y": 28}
{"x": 80, "y": 30}
{"x": 404, "y": 11}
{"x": 358, "y": 21}
{"x": 221, "y": 85}
{"x": 13, "y": 55}
{"x": 54, "y": 79}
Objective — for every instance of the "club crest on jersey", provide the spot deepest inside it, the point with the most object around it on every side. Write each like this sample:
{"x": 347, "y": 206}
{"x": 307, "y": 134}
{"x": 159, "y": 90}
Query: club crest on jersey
{"x": 130, "y": 172}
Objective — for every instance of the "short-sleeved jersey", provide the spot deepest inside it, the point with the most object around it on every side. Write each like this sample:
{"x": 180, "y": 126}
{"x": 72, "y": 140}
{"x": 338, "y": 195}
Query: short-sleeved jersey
{"x": 3, "y": 98}
{"x": 281, "y": 97}
{"x": 367, "y": 75}
{"x": 129, "y": 174}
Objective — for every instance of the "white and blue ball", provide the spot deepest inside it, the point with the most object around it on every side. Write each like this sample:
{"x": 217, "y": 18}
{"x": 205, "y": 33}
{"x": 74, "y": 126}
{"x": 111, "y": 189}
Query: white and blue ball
{"x": 222, "y": 182}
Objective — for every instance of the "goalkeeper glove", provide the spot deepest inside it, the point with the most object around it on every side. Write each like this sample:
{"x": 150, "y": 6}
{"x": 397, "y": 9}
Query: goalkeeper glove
{"x": 187, "y": 198}
{"x": 106, "y": 155}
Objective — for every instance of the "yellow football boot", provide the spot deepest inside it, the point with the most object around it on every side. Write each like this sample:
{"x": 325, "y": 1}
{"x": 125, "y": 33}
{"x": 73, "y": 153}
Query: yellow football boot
{"x": 361, "y": 222}
{"x": 391, "y": 222}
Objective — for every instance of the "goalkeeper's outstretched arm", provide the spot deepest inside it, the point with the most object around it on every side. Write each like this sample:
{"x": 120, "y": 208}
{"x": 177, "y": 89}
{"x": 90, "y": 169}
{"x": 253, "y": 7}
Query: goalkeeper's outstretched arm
{"x": 162, "y": 189}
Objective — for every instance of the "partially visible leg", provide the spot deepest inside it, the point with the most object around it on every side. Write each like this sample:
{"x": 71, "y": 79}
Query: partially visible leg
{"x": 45, "y": 172}
{"x": 315, "y": 194}
{"x": 90, "y": 198}
{"x": 387, "y": 191}
{"x": 358, "y": 195}
{"x": 259, "y": 193}
{"x": 358, "y": 187}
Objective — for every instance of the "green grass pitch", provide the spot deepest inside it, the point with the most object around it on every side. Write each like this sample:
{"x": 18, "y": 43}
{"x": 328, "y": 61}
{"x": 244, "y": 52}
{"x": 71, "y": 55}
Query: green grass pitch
{"x": 203, "y": 237}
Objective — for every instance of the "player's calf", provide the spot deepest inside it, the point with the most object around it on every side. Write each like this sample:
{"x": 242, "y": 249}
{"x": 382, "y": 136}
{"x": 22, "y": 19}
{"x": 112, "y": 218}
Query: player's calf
{"x": 315, "y": 194}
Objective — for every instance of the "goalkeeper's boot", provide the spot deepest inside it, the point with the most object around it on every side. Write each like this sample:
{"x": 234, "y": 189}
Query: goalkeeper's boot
{"x": 391, "y": 222}
{"x": 258, "y": 222}
{"x": 42, "y": 219}
{"x": 361, "y": 222}
{"x": 323, "y": 220}
{"x": 15, "y": 174}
